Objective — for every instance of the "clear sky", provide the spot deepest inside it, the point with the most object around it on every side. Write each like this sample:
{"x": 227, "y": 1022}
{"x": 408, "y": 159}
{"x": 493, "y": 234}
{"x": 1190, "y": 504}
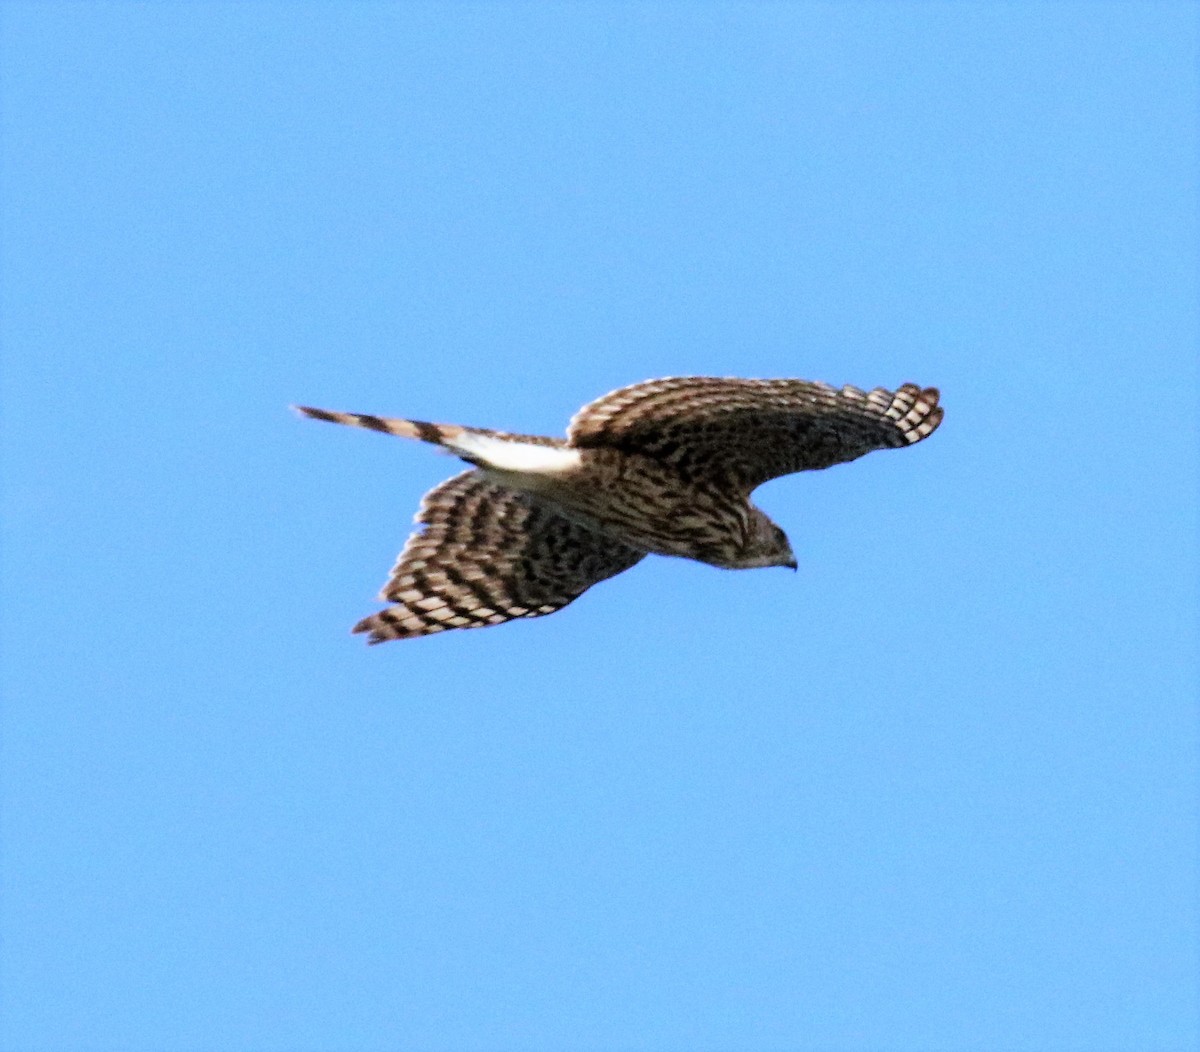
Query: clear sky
{"x": 936, "y": 791}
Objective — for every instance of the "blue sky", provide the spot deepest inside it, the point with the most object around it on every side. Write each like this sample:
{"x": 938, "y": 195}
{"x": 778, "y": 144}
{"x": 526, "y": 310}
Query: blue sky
{"x": 936, "y": 791}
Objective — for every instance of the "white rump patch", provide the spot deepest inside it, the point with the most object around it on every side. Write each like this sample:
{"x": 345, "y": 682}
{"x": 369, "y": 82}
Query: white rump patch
{"x": 507, "y": 455}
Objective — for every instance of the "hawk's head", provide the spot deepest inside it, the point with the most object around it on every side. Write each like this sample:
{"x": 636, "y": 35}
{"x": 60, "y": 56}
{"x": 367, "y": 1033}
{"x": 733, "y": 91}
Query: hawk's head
{"x": 766, "y": 545}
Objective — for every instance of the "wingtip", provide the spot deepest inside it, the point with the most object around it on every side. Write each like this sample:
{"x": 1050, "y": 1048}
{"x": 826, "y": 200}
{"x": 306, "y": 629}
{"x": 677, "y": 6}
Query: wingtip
{"x": 915, "y": 411}
{"x": 369, "y": 626}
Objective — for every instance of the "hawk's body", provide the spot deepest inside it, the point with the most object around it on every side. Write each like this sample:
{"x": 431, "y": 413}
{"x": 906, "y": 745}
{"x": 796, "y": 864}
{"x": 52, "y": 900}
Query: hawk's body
{"x": 664, "y": 467}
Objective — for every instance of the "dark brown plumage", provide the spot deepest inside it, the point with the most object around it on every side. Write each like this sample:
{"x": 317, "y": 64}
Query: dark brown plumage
{"x": 662, "y": 467}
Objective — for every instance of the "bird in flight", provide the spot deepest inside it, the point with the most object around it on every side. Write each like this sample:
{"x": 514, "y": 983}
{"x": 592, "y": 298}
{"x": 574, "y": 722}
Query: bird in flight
{"x": 664, "y": 467}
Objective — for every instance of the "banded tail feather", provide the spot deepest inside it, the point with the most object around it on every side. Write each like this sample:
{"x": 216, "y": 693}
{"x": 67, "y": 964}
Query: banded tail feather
{"x": 523, "y": 454}
{"x": 423, "y": 431}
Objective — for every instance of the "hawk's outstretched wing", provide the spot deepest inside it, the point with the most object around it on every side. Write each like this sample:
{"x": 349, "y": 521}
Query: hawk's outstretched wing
{"x": 744, "y": 432}
{"x": 489, "y": 554}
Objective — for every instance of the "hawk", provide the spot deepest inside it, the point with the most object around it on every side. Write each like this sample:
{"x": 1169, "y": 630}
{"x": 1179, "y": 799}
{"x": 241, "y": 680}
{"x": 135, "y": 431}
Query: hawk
{"x": 664, "y": 467}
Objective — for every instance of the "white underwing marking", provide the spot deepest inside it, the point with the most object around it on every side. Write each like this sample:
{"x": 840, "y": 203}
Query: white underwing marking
{"x": 508, "y": 455}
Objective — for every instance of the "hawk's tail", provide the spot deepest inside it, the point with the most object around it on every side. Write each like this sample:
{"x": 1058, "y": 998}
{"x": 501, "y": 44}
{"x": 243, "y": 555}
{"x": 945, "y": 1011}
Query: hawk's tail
{"x": 525, "y": 454}
{"x": 438, "y": 434}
